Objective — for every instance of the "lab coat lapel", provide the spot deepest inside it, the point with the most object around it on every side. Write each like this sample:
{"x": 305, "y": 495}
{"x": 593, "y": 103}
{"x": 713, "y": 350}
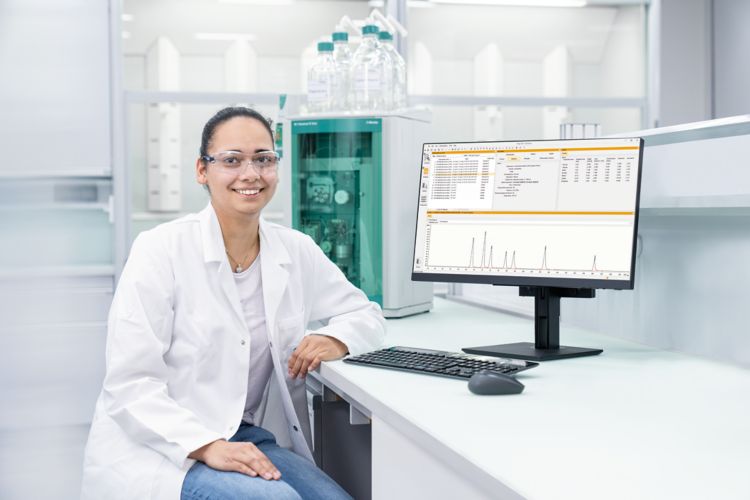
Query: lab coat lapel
{"x": 274, "y": 274}
{"x": 213, "y": 252}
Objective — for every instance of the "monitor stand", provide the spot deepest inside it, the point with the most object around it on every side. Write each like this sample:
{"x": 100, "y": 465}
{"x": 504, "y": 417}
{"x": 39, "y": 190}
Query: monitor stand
{"x": 546, "y": 329}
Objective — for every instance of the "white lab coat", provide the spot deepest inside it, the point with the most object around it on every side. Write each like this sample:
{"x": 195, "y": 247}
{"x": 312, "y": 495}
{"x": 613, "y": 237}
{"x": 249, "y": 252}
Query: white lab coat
{"x": 177, "y": 351}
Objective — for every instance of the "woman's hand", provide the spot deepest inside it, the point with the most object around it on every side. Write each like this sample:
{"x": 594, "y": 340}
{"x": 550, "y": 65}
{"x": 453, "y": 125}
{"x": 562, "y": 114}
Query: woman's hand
{"x": 237, "y": 457}
{"x": 311, "y": 351}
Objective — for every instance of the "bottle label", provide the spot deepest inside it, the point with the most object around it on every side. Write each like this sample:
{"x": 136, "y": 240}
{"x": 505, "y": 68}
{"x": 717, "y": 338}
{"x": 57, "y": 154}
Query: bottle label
{"x": 367, "y": 81}
{"x": 318, "y": 90}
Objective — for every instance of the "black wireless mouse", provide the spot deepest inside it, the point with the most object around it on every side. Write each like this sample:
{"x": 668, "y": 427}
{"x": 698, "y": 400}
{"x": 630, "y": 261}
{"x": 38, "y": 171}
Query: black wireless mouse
{"x": 490, "y": 383}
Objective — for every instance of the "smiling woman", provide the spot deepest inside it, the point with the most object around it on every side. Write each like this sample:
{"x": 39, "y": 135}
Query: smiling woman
{"x": 233, "y": 139}
{"x": 208, "y": 330}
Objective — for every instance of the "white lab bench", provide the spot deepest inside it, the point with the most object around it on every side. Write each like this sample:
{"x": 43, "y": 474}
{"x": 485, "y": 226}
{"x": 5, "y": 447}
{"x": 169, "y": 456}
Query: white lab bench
{"x": 633, "y": 422}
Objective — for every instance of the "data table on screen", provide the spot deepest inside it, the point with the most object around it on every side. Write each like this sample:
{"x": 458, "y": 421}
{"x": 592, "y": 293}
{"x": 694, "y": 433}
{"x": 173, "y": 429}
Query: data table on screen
{"x": 561, "y": 209}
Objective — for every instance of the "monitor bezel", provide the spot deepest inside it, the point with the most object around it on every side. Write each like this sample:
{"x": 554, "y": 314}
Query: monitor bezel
{"x": 526, "y": 280}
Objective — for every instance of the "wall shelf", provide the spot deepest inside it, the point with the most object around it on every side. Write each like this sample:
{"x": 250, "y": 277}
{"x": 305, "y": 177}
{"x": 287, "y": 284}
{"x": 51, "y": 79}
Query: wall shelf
{"x": 696, "y": 131}
{"x": 697, "y": 205}
{"x": 58, "y": 271}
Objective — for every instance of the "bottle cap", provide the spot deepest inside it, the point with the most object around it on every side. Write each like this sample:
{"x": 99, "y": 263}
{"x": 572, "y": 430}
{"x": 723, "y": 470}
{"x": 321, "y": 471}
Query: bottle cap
{"x": 325, "y": 46}
{"x": 369, "y": 29}
{"x": 384, "y": 35}
{"x": 339, "y": 36}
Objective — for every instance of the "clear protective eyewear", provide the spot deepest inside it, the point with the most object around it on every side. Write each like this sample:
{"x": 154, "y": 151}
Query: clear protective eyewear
{"x": 234, "y": 162}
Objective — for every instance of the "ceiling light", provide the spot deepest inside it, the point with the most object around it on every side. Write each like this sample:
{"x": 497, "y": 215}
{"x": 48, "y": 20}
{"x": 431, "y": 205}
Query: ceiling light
{"x": 419, "y": 4}
{"x": 260, "y": 2}
{"x": 517, "y": 3}
{"x": 127, "y": 17}
{"x": 225, "y": 36}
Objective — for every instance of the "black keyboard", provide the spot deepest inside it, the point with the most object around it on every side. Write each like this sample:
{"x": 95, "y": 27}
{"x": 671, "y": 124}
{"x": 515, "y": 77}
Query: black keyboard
{"x": 442, "y": 363}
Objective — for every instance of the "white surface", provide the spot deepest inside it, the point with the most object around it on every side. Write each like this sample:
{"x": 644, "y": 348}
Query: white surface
{"x": 704, "y": 128}
{"x": 711, "y": 167}
{"x": 395, "y": 475}
{"x": 731, "y": 40}
{"x": 690, "y": 289}
{"x": 402, "y": 147}
{"x": 56, "y": 450}
{"x": 54, "y": 92}
{"x": 685, "y": 60}
{"x": 633, "y": 422}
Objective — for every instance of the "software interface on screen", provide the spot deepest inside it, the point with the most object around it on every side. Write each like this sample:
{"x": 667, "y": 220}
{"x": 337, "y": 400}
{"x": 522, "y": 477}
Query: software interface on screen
{"x": 543, "y": 209}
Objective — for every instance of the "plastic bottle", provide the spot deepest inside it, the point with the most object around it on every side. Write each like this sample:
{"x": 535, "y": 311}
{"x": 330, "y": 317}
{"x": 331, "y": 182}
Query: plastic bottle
{"x": 398, "y": 79}
{"x": 342, "y": 56}
{"x": 369, "y": 64}
{"x": 321, "y": 80}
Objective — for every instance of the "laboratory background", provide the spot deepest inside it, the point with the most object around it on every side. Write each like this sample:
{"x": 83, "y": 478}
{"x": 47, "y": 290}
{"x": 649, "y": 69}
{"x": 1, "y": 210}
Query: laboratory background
{"x": 102, "y": 104}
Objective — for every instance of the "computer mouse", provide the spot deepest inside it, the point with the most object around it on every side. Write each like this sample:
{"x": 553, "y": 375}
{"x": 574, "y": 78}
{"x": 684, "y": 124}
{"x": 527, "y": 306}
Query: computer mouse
{"x": 488, "y": 382}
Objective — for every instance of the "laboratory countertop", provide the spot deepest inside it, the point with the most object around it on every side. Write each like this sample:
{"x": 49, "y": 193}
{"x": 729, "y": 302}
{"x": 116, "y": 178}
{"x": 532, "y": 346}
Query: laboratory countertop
{"x": 633, "y": 422}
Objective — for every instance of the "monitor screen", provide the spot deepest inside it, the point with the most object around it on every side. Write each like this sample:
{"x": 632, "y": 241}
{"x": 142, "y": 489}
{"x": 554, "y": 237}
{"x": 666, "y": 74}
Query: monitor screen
{"x": 559, "y": 213}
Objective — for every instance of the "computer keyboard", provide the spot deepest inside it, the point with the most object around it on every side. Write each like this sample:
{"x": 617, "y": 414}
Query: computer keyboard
{"x": 442, "y": 363}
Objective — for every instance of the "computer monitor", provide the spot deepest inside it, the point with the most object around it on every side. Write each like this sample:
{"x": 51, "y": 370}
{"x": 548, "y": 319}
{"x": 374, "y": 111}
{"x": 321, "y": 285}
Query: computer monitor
{"x": 558, "y": 218}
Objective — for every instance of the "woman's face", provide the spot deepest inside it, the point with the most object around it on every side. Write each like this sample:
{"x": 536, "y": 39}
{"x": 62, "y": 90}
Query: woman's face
{"x": 243, "y": 191}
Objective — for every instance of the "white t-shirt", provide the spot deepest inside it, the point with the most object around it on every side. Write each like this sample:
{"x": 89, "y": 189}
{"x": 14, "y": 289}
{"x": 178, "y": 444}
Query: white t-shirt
{"x": 250, "y": 290}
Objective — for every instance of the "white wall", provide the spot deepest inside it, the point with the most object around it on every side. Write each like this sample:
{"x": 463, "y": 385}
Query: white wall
{"x": 690, "y": 290}
{"x": 452, "y": 77}
{"x": 691, "y": 270}
{"x": 684, "y": 89}
{"x": 623, "y": 69}
{"x": 731, "y": 57}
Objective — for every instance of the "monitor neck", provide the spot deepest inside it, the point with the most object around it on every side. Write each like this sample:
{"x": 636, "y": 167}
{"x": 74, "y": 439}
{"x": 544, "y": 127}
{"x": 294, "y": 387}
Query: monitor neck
{"x": 546, "y": 344}
{"x": 547, "y": 311}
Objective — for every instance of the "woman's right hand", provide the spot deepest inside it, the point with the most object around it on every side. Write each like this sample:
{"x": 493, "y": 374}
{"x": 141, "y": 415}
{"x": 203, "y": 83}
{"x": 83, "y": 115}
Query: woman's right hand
{"x": 238, "y": 457}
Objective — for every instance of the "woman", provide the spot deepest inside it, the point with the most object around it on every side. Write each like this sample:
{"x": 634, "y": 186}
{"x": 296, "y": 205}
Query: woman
{"x": 207, "y": 346}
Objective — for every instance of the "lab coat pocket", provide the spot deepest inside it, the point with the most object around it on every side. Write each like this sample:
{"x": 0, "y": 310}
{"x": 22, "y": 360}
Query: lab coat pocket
{"x": 291, "y": 321}
{"x": 289, "y": 333}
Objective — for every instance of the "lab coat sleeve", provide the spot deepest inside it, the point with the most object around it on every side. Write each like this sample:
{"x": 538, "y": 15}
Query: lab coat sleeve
{"x": 135, "y": 392}
{"x": 350, "y": 316}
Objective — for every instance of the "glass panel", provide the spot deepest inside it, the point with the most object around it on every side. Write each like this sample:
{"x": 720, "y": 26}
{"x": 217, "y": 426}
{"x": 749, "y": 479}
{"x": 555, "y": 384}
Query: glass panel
{"x": 336, "y": 182}
{"x": 612, "y": 120}
{"x": 227, "y": 46}
{"x": 487, "y": 123}
{"x": 592, "y": 51}
{"x": 55, "y": 237}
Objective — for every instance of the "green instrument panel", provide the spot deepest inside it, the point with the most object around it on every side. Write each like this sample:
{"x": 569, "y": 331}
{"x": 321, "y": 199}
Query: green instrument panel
{"x": 337, "y": 194}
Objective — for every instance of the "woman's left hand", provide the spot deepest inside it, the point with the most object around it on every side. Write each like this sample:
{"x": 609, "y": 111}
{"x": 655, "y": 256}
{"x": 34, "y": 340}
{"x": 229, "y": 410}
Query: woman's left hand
{"x": 311, "y": 351}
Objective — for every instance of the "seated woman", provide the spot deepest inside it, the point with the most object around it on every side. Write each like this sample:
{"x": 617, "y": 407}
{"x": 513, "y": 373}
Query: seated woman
{"x": 207, "y": 346}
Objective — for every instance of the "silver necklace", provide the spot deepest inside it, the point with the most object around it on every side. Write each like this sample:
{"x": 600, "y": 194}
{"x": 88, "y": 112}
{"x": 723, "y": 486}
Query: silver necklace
{"x": 238, "y": 269}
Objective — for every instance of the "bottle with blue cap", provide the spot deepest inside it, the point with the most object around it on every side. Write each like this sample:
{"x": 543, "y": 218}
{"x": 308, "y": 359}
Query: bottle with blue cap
{"x": 369, "y": 69}
{"x": 396, "y": 98}
{"x": 321, "y": 80}
{"x": 342, "y": 56}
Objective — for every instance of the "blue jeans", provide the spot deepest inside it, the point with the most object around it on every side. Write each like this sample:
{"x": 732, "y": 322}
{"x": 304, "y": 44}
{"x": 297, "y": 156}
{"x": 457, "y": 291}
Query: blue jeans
{"x": 300, "y": 478}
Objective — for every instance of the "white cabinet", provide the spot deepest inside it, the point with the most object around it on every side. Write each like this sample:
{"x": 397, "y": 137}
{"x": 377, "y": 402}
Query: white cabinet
{"x": 54, "y": 89}
{"x": 56, "y": 259}
{"x": 699, "y": 167}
